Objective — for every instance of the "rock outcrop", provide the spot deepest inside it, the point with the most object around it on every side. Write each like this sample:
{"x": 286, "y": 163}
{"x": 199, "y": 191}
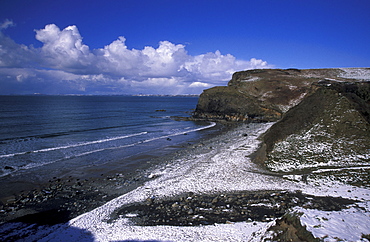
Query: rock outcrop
{"x": 266, "y": 94}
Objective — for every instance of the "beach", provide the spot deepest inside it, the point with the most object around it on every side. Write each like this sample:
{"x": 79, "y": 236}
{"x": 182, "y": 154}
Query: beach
{"x": 79, "y": 190}
{"x": 211, "y": 177}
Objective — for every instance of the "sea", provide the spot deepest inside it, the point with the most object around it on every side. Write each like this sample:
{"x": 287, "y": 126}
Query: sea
{"x": 66, "y": 132}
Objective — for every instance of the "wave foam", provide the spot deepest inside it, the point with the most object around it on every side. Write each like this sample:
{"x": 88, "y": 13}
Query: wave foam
{"x": 74, "y": 145}
{"x": 148, "y": 140}
{"x": 39, "y": 164}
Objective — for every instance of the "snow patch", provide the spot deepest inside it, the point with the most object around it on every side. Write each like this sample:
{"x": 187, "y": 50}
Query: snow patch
{"x": 345, "y": 225}
{"x": 252, "y": 79}
{"x": 356, "y": 73}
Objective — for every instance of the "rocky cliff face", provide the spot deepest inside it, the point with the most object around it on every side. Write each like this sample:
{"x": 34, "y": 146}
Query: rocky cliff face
{"x": 266, "y": 94}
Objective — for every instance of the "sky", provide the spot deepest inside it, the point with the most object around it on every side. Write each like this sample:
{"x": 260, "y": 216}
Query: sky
{"x": 168, "y": 46}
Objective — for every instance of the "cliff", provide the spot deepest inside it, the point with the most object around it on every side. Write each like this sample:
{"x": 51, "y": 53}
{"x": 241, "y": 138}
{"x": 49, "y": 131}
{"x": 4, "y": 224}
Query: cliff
{"x": 267, "y": 94}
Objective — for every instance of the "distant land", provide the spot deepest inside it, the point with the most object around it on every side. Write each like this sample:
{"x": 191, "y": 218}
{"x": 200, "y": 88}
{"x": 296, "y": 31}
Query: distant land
{"x": 127, "y": 95}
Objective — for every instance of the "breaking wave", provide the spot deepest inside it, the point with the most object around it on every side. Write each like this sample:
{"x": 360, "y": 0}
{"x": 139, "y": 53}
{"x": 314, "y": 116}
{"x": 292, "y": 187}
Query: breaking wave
{"x": 87, "y": 148}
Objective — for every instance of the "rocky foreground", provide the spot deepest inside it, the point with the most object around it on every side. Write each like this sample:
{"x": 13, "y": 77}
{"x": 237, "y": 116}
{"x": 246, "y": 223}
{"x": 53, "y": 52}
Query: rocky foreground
{"x": 65, "y": 198}
{"x": 192, "y": 210}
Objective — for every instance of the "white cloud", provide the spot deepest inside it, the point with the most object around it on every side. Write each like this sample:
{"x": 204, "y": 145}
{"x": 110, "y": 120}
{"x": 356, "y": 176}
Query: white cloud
{"x": 66, "y": 64}
{"x": 15, "y": 55}
{"x": 117, "y": 59}
{"x": 199, "y": 84}
{"x": 6, "y": 24}
{"x": 256, "y": 63}
{"x": 64, "y": 49}
{"x": 165, "y": 60}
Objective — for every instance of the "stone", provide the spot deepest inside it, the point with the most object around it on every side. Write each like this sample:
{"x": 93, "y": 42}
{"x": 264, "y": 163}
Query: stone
{"x": 175, "y": 205}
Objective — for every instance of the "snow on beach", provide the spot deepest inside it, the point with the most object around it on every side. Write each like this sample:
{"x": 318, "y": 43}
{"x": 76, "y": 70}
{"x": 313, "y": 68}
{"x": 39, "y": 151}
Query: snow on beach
{"x": 223, "y": 168}
{"x": 220, "y": 165}
{"x": 343, "y": 224}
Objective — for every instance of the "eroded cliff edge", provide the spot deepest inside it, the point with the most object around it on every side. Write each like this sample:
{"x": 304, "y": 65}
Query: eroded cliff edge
{"x": 322, "y": 118}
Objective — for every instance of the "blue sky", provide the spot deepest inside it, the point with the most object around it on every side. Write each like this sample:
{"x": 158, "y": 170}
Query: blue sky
{"x": 171, "y": 47}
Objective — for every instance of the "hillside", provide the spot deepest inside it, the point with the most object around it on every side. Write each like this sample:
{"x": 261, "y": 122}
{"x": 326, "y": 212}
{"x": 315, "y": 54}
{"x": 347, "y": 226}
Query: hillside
{"x": 329, "y": 128}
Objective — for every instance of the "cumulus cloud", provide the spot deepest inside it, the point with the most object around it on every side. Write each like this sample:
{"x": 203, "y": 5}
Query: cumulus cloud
{"x": 64, "y": 49}
{"x": 64, "y": 64}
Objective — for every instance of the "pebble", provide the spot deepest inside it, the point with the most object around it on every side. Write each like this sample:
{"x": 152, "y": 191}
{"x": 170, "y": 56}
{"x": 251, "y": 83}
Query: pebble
{"x": 190, "y": 210}
{"x": 75, "y": 195}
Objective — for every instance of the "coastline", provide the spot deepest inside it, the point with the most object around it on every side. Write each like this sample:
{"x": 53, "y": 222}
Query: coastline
{"x": 69, "y": 194}
{"x": 208, "y": 191}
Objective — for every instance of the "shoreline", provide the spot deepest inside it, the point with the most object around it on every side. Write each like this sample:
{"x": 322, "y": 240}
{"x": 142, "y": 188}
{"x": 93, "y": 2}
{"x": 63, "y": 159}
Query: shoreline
{"x": 210, "y": 191}
{"x": 70, "y": 194}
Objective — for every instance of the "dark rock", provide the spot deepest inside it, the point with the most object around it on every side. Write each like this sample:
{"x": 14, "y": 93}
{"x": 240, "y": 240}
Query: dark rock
{"x": 289, "y": 228}
{"x": 9, "y": 168}
{"x": 210, "y": 209}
